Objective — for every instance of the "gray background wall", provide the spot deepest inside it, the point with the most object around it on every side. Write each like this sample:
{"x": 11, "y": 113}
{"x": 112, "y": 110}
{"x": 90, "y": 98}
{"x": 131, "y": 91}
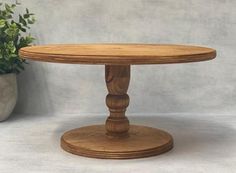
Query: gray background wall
{"x": 196, "y": 88}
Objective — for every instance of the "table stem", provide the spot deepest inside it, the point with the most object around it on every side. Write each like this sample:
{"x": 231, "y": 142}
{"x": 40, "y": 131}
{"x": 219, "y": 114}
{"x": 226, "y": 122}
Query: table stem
{"x": 117, "y": 82}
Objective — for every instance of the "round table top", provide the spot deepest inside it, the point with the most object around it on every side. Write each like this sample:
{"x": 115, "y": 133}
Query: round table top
{"x": 117, "y": 54}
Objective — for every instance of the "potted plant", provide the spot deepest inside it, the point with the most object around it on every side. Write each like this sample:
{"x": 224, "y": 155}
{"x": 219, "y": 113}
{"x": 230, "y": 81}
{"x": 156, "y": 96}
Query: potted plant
{"x": 13, "y": 36}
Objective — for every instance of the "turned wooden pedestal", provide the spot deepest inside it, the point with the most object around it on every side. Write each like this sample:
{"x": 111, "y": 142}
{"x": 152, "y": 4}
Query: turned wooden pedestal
{"x": 117, "y": 138}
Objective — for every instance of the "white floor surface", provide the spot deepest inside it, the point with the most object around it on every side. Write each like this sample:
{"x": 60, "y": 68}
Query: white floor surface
{"x": 30, "y": 144}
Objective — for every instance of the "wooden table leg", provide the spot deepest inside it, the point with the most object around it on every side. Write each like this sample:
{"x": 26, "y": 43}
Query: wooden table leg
{"x": 117, "y": 139}
{"x": 117, "y": 81}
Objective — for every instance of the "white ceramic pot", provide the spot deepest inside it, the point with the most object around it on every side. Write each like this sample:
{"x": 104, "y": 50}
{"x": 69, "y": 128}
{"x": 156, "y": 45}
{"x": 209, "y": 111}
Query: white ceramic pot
{"x": 8, "y": 95}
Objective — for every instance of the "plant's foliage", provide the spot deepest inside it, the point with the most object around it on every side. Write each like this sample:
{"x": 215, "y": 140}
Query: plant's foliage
{"x": 13, "y": 37}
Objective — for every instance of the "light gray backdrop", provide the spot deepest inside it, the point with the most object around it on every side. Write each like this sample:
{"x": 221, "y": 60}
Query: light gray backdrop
{"x": 196, "y": 88}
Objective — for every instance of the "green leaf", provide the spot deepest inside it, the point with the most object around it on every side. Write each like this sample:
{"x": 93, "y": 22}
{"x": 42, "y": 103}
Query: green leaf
{"x": 22, "y": 20}
{"x": 22, "y": 29}
{"x": 11, "y": 47}
{"x": 26, "y": 16}
{"x": 12, "y": 31}
{"x": 14, "y": 55}
{"x": 29, "y": 39}
{"x": 12, "y": 38}
{"x": 31, "y": 21}
{"x": 2, "y": 23}
{"x": 9, "y": 16}
{"x": 8, "y": 8}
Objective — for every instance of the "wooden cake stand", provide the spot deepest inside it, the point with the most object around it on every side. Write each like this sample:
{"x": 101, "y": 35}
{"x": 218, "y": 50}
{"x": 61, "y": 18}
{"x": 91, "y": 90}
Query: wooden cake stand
{"x": 117, "y": 139}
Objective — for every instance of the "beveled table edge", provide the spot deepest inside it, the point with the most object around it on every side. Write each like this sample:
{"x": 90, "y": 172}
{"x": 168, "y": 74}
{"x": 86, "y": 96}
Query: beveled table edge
{"x": 129, "y": 60}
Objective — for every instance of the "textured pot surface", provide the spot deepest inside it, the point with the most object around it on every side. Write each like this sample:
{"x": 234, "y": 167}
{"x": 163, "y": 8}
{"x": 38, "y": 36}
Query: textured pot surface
{"x": 8, "y": 95}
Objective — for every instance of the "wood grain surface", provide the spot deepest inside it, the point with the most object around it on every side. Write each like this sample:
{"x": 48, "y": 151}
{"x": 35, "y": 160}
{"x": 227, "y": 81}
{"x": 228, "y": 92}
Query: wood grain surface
{"x": 117, "y": 139}
{"x": 117, "y": 100}
{"x": 92, "y": 141}
{"x": 118, "y": 54}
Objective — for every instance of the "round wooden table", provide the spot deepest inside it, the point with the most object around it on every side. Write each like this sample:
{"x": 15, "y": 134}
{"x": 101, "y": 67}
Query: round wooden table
{"x": 117, "y": 138}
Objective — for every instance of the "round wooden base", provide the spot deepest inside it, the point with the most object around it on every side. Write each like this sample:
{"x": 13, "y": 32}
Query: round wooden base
{"x": 92, "y": 141}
